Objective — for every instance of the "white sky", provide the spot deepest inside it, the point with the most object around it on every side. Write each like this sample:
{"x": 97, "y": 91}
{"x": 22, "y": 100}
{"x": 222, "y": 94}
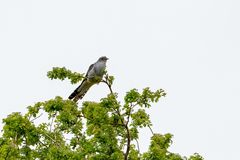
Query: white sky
{"x": 189, "y": 48}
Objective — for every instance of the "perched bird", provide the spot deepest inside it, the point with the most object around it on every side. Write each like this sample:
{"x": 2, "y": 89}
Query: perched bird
{"x": 94, "y": 75}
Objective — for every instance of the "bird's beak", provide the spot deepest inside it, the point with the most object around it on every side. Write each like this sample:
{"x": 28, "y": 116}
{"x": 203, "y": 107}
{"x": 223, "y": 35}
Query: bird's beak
{"x": 107, "y": 58}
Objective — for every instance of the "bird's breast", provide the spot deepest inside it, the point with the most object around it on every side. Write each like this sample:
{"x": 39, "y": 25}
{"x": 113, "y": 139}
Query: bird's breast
{"x": 99, "y": 68}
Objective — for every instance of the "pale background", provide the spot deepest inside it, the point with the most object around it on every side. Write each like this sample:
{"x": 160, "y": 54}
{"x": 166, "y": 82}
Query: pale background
{"x": 189, "y": 48}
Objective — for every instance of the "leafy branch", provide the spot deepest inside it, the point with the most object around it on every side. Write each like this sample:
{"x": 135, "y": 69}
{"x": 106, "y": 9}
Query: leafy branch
{"x": 63, "y": 73}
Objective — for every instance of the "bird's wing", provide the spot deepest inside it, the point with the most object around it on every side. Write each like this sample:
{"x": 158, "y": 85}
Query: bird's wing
{"x": 83, "y": 87}
{"x": 89, "y": 69}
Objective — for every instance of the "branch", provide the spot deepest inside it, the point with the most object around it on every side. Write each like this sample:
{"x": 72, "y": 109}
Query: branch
{"x": 122, "y": 120}
{"x": 128, "y": 143}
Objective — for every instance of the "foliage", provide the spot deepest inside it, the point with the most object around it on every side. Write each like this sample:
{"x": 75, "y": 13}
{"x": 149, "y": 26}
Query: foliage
{"x": 95, "y": 130}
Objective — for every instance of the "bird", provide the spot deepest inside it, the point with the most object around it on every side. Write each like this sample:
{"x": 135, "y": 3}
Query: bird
{"x": 93, "y": 76}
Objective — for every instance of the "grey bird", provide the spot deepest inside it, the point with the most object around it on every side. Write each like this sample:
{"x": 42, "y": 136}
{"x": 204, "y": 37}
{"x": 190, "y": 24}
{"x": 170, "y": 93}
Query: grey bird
{"x": 93, "y": 76}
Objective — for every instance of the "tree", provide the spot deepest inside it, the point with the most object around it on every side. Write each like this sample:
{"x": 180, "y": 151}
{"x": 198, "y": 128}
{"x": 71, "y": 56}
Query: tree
{"x": 105, "y": 130}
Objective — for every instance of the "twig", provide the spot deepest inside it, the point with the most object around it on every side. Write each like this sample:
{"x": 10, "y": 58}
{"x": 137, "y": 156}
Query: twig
{"x": 129, "y": 113}
{"x": 151, "y": 129}
{"x": 109, "y": 86}
{"x": 54, "y": 141}
{"x": 52, "y": 122}
{"x": 43, "y": 143}
{"x": 37, "y": 117}
{"x": 138, "y": 146}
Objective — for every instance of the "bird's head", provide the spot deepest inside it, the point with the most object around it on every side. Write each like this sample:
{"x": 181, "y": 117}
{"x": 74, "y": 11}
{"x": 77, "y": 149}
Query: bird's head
{"x": 103, "y": 58}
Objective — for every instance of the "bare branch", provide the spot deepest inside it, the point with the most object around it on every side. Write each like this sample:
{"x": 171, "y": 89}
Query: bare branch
{"x": 52, "y": 122}
{"x": 151, "y": 129}
{"x": 109, "y": 86}
{"x": 54, "y": 141}
{"x": 36, "y": 117}
{"x": 138, "y": 145}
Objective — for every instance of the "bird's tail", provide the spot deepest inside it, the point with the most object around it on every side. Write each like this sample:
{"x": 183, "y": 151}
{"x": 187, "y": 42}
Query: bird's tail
{"x": 80, "y": 91}
{"x": 75, "y": 92}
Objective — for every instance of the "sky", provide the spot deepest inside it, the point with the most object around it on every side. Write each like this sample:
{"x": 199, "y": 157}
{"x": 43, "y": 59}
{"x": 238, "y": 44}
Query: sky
{"x": 188, "y": 48}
